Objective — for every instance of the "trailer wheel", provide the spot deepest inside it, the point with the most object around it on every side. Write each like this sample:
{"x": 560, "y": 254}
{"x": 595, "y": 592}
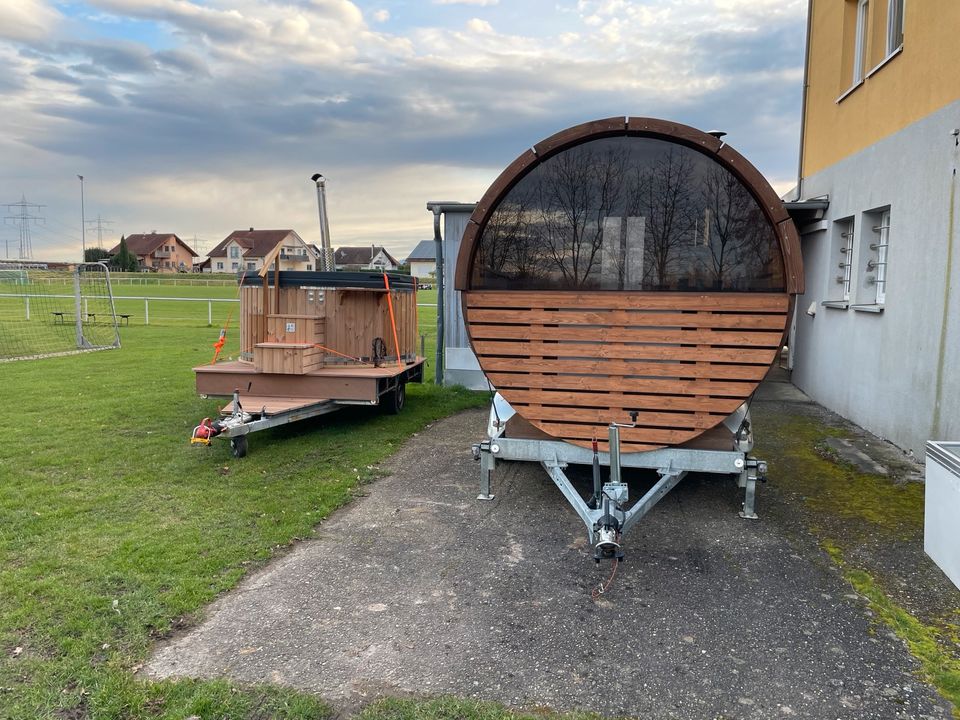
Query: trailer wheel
{"x": 394, "y": 400}
{"x": 238, "y": 446}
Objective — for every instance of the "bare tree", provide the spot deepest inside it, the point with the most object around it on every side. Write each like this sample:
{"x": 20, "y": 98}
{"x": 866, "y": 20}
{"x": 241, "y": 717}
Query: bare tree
{"x": 733, "y": 225}
{"x": 664, "y": 195}
{"x": 575, "y": 192}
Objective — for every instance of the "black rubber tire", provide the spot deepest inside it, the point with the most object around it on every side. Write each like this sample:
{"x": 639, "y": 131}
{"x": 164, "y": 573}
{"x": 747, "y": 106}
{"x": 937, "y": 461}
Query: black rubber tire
{"x": 394, "y": 400}
{"x": 238, "y": 446}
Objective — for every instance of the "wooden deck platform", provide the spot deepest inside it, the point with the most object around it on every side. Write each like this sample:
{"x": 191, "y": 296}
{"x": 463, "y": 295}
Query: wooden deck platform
{"x": 270, "y": 405}
{"x": 360, "y": 383}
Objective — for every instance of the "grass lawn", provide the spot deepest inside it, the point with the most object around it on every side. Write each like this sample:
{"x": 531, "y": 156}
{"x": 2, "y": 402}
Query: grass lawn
{"x": 114, "y": 531}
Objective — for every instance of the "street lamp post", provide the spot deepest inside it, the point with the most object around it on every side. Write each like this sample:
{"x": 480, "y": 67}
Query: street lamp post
{"x": 83, "y": 224}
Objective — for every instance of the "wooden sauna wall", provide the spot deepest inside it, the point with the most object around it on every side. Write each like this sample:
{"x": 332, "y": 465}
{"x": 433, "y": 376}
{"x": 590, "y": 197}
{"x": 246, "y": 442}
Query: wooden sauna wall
{"x": 356, "y": 316}
{"x": 571, "y": 363}
{"x": 252, "y": 320}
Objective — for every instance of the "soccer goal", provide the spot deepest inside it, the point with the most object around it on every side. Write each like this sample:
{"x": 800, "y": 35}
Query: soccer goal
{"x": 46, "y": 312}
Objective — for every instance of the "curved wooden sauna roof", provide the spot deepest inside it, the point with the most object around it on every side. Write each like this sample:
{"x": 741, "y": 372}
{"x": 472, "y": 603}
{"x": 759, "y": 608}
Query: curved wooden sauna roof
{"x": 628, "y": 265}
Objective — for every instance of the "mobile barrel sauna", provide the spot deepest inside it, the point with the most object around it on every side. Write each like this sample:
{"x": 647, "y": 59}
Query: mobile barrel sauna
{"x": 626, "y": 285}
{"x": 312, "y": 342}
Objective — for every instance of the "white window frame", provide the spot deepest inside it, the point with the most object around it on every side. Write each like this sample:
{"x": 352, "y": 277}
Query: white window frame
{"x": 234, "y": 251}
{"x": 860, "y": 41}
{"x": 846, "y": 257}
{"x": 251, "y": 266}
{"x": 895, "y": 11}
{"x": 219, "y": 266}
{"x": 879, "y": 265}
{"x": 234, "y": 266}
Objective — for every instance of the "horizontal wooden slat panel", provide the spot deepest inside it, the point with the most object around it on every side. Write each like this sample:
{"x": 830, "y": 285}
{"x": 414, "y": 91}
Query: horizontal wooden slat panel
{"x": 653, "y": 436}
{"x": 623, "y": 351}
{"x": 571, "y": 362}
{"x": 629, "y": 318}
{"x": 628, "y": 367}
{"x": 727, "y": 301}
{"x": 568, "y": 398}
{"x": 605, "y": 416}
{"x": 502, "y": 380}
{"x": 756, "y": 338}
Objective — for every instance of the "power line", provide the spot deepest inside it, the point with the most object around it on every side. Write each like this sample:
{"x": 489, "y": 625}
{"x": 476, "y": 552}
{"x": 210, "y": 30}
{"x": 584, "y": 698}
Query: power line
{"x": 23, "y": 219}
{"x": 99, "y": 222}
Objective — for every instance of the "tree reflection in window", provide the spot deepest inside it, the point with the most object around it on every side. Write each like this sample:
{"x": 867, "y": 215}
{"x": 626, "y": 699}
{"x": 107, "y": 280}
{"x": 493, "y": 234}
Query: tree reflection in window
{"x": 629, "y": 213}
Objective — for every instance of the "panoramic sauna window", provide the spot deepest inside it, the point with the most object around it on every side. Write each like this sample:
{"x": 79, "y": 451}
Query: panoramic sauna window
{"x": 628, "y": 213}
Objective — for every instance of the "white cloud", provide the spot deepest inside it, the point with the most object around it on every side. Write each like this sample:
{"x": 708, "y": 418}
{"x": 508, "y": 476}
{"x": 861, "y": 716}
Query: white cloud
{"x": 481, "y": 3}
{"x": 220, "y": 128}
{"x": 479, "y": 26}
{"x": 27, "y": 19}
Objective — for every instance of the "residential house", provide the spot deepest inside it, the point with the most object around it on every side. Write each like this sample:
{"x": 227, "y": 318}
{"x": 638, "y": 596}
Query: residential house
{"x": 244, "y": 251}
{"x": 877, "y": 331}
{"x": 370, "y": 257}
{"x": 162, "y": 252}
{"x": 423, "y": 261}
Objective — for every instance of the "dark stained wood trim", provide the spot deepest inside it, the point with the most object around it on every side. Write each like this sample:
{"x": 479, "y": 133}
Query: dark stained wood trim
{"x": 578, "y": 133}
{"x": 755, "y": 182}
{"x": 654, "y": 127}
{"x": 792, "y": 259}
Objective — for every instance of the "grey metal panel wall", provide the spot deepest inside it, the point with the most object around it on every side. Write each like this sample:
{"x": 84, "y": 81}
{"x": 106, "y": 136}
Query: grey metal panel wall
{"x": 461, "y": 366}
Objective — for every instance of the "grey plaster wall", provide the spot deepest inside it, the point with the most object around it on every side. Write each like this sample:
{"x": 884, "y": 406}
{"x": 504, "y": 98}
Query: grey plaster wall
{"x": 895, "y": 372}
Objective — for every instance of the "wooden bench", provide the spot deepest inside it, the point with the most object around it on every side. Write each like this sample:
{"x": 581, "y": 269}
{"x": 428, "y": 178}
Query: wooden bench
{"x": 124, "y": 317}
{"x": 58, "y": 316}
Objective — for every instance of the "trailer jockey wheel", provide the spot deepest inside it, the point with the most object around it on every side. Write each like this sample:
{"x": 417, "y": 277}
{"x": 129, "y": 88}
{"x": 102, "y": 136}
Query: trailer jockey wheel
{"x": 394, "y": 400}
{"x": 238, "y": 446}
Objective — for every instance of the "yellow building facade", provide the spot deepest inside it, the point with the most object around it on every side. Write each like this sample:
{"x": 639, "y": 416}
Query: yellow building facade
{"x": 873, "y": 68}
{"x": 877, "y": 334}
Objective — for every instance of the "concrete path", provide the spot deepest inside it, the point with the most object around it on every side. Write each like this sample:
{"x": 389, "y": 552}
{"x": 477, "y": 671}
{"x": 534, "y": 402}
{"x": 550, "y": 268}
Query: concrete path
{"x": 420, "y": 589}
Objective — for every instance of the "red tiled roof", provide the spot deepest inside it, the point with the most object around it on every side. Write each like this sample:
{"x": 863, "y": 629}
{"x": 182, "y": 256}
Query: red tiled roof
{"x": 256, "y": 243}
{"x": 146, "y": 243}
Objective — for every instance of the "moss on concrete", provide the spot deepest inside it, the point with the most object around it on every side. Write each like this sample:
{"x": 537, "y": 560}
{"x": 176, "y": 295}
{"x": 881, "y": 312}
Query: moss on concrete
{"x": 926, "y": 643}
{"x": 802, "y": 464}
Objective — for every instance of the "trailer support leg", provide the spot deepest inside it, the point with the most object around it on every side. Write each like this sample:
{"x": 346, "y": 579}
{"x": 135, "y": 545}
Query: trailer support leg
{"x": 486, "y": 476}
{"x": 753, "y": 470}
{"x": 483, "y": 454}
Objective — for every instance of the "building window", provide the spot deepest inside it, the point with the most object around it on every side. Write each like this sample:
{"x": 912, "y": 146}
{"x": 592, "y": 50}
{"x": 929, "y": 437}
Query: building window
{"x": 219, "y": 266}
{"x": 251, "y": 266}
{"x": 843, "y": 244}
{"x": 860, "y": 41}
{"x": 876, "y": 267}
{"x": 894, "y": 25}
{"x": 234, "y": 251}
{"x": 234, "y": 266}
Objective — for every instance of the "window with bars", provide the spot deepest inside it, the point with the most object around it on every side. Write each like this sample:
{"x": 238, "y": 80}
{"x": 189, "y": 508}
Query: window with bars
{"x": 844, "y": 252}
{"x": 876, "y": 266}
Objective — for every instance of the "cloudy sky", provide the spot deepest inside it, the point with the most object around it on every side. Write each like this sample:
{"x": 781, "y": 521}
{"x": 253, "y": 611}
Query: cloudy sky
{"x": 203, "y": 116}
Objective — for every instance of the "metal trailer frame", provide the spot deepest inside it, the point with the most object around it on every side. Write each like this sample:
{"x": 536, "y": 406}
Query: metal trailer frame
{"x": 237, "y": 423}
{"x": 607, "y": 514}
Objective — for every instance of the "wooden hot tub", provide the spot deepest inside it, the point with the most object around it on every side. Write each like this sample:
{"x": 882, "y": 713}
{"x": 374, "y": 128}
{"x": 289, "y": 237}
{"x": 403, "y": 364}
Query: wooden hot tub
{"x": 628, "y": 265}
